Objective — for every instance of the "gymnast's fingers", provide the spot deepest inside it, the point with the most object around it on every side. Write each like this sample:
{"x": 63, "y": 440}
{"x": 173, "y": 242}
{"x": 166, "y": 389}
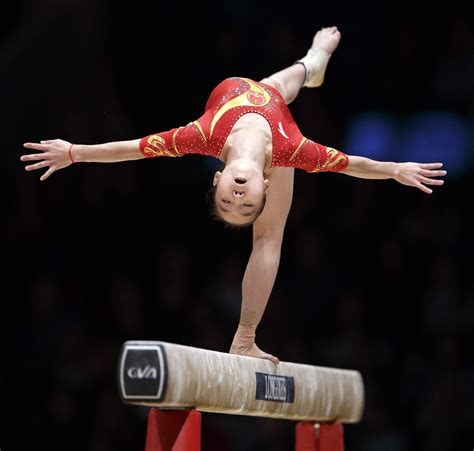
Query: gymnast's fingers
{"x": 429, "y": 181}
{"x": 33, "y": 157}
{"x": 39, "y": 165}
{"x": 272, "y": 358}
{"x": 47, "y": 174}
{"x": 423, "y": 188}
{"x": 431, "y": 165}
{"x": 36, "y": 146}
{"x": 430, "y": 173}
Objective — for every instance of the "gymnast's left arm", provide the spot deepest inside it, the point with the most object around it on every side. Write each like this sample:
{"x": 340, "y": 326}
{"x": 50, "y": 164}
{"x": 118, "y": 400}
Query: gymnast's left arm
{"x": 417, "y": 175}
{"x": 263, "y": 263}
{"x": 55, "y": 154}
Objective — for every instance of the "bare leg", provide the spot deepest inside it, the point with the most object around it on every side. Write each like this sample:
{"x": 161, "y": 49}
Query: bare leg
{"x": 310, "y": 70}
{"x": 268, "y": 230}
{"x": 288, "y": 81}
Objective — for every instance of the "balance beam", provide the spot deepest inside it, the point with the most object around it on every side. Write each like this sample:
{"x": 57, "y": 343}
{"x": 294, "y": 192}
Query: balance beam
{"x": 173, "y": 376}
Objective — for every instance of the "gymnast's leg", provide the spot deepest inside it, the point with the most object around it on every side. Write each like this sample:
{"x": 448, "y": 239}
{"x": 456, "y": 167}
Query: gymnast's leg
{"x": 268, "y": 230}
{"x": 308, "y": 71}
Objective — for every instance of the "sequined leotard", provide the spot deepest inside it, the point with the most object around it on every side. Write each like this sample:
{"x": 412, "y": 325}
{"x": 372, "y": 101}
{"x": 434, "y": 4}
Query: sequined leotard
{"x": 230, "y": 100}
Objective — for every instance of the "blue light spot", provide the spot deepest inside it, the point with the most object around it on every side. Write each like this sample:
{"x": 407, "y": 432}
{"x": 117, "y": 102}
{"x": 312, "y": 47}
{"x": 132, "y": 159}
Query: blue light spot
{"x": 371, "y": 135}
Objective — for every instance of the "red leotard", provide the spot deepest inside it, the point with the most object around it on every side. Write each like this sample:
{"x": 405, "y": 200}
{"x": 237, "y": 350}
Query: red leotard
{"x": 230, "y": 100}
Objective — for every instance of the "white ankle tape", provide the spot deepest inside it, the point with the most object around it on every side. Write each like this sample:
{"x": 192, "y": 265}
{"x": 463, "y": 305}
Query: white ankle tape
{"x": 315, "y": 62}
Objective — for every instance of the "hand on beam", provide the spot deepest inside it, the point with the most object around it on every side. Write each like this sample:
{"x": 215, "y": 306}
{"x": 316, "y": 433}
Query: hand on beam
{"x": 244, "y": 344}
{"x": 251, "y": 350}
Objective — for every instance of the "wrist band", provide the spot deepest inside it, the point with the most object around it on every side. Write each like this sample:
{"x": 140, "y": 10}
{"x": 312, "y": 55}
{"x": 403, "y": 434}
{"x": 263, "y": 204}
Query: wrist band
{"x": 70, "y": 153}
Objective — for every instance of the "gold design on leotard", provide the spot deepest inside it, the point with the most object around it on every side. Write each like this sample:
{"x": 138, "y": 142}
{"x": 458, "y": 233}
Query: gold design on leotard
{"x": 174, "y": 139}
{"x": 156, "y": 147}
{"x": 331, "y": 160}
{"x": 241, "y": 100}
{"x": 303, "y": 140}
{"x": 198, "y": 125}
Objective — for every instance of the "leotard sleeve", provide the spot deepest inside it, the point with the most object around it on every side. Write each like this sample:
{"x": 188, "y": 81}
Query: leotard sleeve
{"x": 314, "y": 157}
{"x": 175, "y": 142}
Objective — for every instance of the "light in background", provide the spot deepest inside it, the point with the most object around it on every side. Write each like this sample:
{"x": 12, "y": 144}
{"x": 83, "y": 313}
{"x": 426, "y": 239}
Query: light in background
{"x": 423, "y": 137}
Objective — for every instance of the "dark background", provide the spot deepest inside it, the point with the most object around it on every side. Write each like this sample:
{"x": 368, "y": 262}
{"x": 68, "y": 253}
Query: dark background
{"x": 374, "y": 276}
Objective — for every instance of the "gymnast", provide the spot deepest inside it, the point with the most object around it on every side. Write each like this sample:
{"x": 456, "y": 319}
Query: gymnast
{"x": 247, "y": 125}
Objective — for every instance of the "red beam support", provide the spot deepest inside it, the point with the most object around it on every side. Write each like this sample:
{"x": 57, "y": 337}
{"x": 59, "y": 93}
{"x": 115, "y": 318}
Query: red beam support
{"x": 173, "y": 430}
{"x": 319, "y": 436}
{"x": 180, "y": 430}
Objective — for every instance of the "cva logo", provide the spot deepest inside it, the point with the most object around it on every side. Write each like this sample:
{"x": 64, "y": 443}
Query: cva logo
{"x": 149, "y": 372}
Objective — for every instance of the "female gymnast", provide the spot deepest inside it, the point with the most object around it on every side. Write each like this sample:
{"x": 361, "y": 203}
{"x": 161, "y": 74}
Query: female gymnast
{"x": 248, "y": 126}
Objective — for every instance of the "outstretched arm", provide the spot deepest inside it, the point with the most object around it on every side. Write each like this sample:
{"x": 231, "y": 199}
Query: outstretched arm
{"x": 57, "y": 154}
{"x": 411, "y": 174}
{"x": 262, "y": 266}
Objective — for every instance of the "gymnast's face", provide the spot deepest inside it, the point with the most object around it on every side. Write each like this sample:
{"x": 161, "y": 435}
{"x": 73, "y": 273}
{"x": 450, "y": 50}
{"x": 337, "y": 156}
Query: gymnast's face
{"x": 239, "y": 193}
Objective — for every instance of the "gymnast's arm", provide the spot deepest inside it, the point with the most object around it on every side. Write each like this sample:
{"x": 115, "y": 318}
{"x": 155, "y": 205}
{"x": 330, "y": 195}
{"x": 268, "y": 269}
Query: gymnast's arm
{"x": 411, "y": 174}
{"x": 262, "y": 266}
{"x": 57, "y": 154}
{"x": 320, "y": 158}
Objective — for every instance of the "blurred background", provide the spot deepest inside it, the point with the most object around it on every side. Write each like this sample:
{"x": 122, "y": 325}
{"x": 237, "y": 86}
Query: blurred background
{"x": 374, "y": 276}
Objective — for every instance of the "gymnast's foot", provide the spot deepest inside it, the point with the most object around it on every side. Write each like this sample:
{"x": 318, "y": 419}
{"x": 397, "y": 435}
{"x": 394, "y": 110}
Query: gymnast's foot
{"x": 251, "y": 350}
{"x": 325, "y": 42}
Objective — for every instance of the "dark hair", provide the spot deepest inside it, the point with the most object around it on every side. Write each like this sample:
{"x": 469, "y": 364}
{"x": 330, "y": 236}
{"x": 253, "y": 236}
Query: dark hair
{"x": 211, "y": 202}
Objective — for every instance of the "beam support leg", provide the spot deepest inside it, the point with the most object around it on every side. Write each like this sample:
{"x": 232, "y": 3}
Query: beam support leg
{"x": 173, "y": 430}
{"x": 319, "y": 436}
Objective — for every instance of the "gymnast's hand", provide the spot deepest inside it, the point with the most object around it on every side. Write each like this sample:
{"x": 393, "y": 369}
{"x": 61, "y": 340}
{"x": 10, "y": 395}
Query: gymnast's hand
{"x": 54, "y": 154}
{"x": 253, "y": 351}
{"x": 244, "y": 344}
{"x": 419, "y": 175}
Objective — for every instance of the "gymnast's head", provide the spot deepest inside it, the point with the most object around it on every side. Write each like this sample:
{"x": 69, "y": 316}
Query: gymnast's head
{"x": 238, "y": 193}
